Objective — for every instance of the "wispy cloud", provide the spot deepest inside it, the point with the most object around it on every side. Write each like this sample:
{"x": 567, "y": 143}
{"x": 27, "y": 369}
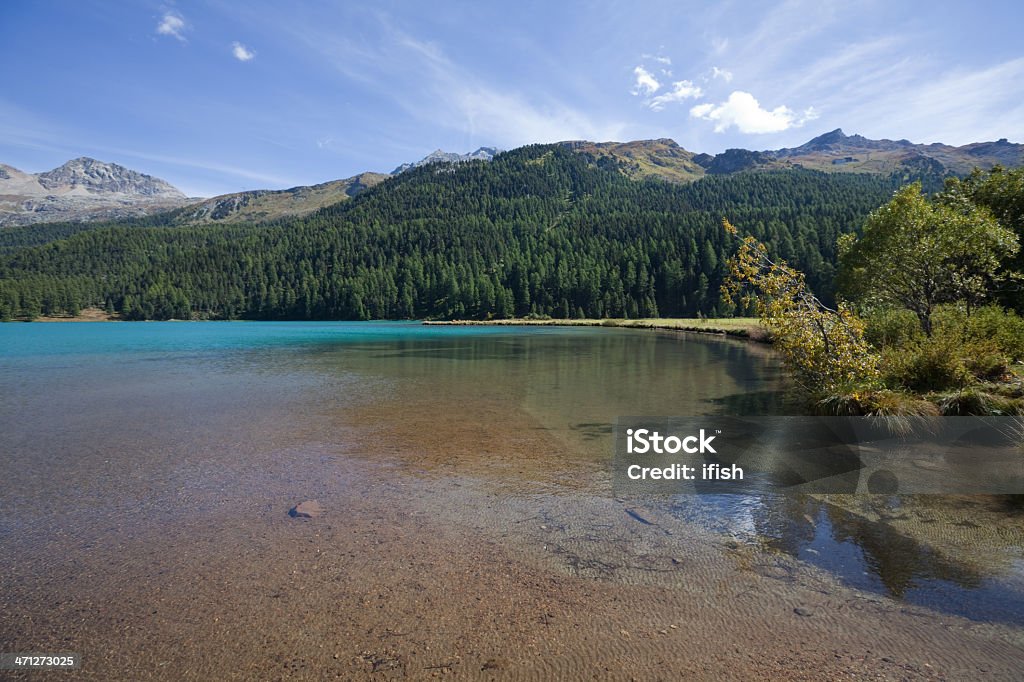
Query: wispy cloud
{"x": 646, "y": 83}
{"x": 881, "y": 87}
{"x": 957, "y": 107}
{"x": 241, "y": 52}
{"x": 428, "y": 85}
{"x": 661, "y": 59}
{"x": 29, "y": 129}
{"x": 721, "y": 73}
{"x": 745, "y": 113}
{"x": 680, "y": 90}
{"x": 784, "y": 33}
{"x": 502, "y": 116}
{"x": 505, "y": 117}
{"x": 263, "y": 179}
{"x": 172, "y": 24}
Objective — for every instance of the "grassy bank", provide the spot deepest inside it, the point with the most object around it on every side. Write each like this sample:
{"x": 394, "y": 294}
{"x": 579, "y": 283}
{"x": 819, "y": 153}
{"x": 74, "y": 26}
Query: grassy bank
{"x": 746, "y": 327}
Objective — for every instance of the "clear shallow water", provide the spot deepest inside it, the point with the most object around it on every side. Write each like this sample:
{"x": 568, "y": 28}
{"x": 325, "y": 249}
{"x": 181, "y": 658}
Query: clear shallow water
{"x": 164, "y": 421}
{"x": 960, "y": 556}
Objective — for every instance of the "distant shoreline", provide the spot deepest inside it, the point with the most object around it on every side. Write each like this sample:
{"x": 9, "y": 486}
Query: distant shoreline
{"x": 743, "y": 327}
{"x": 85, "y": 315}
{"x": 738, "y": 327}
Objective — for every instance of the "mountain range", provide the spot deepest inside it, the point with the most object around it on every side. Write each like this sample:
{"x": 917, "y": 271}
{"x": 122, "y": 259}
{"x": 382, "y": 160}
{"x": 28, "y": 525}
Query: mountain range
{"x": 85, "y": 189}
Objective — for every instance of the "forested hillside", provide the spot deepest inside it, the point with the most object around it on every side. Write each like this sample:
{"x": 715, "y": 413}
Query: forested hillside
{"x": 538, "y": 230}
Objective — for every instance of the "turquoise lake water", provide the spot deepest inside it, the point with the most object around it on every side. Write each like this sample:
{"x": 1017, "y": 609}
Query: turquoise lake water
{"x": 162, "y": 421}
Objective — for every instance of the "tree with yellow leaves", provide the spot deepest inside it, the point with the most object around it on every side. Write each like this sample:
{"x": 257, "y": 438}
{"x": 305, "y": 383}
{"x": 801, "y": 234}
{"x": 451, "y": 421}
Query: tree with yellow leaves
{"x": 823, "y": 347}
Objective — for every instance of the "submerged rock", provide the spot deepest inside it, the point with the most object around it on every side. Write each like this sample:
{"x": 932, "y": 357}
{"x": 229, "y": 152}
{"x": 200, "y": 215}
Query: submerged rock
{"x": 310, "y": 509}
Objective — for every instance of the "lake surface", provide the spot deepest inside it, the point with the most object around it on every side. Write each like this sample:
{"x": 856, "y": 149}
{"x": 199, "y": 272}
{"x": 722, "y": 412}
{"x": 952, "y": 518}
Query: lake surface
{"x": 148, "y": 469}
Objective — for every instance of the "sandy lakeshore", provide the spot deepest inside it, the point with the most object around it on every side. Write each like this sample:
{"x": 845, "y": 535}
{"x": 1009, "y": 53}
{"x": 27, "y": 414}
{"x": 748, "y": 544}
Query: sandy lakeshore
{"x": 427, "y": 574}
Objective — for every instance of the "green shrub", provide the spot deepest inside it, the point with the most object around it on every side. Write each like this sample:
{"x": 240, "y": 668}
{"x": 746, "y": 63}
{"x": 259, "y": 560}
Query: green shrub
{"x": 989, "y": 323}
{"x": 985, "y": 360}
{"x": 950, "y": 321}
{"x": 963, "y": 348}
{"x": 928, "y": 365}
{"x": 891, "y": 327}
{"x": 1004, "y": 327}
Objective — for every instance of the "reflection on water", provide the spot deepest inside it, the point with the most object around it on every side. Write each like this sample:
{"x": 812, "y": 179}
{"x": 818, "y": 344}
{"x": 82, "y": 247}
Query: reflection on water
{"x": 174, "y": 414}
{"x": 956, "y": 555}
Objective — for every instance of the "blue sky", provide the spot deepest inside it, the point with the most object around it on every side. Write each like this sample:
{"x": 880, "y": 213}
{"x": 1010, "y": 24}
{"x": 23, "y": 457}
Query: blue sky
{"x": 221, "y": 96}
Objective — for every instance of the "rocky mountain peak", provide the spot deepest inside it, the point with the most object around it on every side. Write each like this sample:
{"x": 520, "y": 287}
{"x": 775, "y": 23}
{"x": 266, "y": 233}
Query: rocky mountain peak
{"x": 82, "y": 189}
{"x": 441, "y": 156}
{"x": 99, "y": 177}
{"x": 829, "y": 140}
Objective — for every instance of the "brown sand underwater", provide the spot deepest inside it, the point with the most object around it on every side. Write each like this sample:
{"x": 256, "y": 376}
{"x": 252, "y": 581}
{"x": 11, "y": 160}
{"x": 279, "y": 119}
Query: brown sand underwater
{"x": 469, "y": 531}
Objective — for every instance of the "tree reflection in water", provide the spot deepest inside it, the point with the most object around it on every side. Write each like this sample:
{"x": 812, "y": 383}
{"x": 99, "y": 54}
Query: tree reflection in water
{"x": 959, "y": 555}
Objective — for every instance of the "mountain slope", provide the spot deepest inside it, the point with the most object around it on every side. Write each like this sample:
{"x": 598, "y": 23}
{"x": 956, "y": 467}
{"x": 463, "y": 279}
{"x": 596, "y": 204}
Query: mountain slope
{"x": 265, "y": 205}
{"x": 643, "y": 158}
{"x": 82, "y": 189}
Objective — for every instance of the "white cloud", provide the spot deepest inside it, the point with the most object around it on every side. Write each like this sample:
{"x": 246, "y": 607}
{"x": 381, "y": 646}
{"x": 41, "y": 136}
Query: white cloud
{"x": 680, "y": 90}
{"x": 658, "y": 58}
{"x": 721, "y": 73}
{"x": 172, "y": 24}
{"x": 646, "y": 83}
{"x": 745, "y": 112}
{"x": 701, "y": 110}
{"x": 241, "y": 52}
